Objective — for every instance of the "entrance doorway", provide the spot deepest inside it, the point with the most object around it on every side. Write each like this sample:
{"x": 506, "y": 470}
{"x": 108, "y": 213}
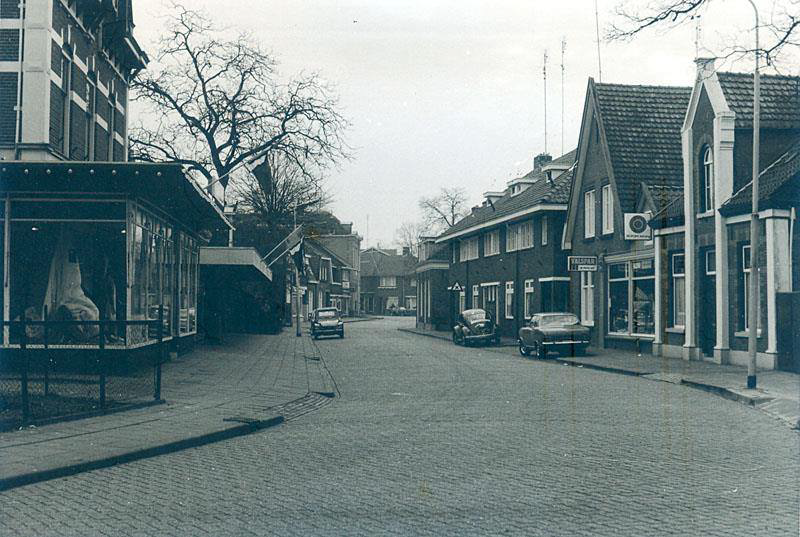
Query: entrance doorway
{"x": 707, "y": 311}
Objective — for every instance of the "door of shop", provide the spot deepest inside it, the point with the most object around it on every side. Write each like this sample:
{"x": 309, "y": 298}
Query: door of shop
{"x": 708, "y": 303}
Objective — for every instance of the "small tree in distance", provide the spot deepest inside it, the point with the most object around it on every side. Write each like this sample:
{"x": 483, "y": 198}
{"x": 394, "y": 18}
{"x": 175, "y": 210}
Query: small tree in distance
{"x": 443, "y": 210}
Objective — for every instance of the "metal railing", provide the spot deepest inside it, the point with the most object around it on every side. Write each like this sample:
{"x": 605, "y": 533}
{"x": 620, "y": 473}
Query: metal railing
{"x": 43, "y": 380}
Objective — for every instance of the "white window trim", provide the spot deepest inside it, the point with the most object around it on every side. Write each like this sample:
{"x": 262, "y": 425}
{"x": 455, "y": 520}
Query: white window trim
{"x": 494, "y": 237}
{"x": 675, "y": 275}
{"x": 529, "y": 288}
{"x": 587, "y": 290}
{"x": 608, "y": 210}
{"x": 589, "y": 215}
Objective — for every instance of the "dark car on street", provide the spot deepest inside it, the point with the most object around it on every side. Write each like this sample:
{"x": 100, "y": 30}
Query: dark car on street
{"x": 326, "y": 322}
{"x": 475, "y": 326}
{"x": 561, "y": 332}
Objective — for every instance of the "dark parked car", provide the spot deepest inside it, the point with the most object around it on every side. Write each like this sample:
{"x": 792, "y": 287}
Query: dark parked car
{"x": 560, "y": 332}
{"x": 326, "y": 322}
{"x": 475, "y": 326}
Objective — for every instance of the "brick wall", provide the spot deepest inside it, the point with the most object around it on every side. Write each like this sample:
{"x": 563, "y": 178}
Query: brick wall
{"x": 8, "y": 98}
{"x": 100, "y": 143}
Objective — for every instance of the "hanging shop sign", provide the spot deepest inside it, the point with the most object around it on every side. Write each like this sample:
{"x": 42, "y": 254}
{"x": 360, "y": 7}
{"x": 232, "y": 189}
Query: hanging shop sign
{"x": 582, "y": 263}
{"x": 637, "y": 228}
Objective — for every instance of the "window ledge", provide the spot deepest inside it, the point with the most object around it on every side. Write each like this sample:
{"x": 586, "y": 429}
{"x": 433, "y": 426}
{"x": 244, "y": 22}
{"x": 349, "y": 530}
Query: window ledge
{"x": 491, "y": 255}
{"x": 746, "y": 334}
{"x": 676, "y": 330}
{"x": 629, "y": 337}
{"x": 707, "y": 214}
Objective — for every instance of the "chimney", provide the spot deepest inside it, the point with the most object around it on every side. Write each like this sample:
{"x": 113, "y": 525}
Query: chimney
{"x": 540, "y": 160}
{"x": 705, "y": 66}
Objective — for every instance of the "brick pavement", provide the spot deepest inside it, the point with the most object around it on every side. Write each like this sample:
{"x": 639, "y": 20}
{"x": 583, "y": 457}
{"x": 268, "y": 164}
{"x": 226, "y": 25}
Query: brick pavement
{"x": 432, "y": 439}
{"x": 777, "y": 394}
{"x": 211, "y": 393}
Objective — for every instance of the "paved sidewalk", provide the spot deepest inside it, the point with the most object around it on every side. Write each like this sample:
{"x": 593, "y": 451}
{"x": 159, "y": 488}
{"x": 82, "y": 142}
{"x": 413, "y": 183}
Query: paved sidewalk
{"x": 778, "y": 392}
{"x": 217, "y": 391}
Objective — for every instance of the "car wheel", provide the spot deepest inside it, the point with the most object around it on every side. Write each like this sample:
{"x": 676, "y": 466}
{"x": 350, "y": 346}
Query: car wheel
{"x": 541, "y": 351}
{"x": 341, "y": 334}
{"x": 523, "y": 350}
{"x": 455, "y": 338}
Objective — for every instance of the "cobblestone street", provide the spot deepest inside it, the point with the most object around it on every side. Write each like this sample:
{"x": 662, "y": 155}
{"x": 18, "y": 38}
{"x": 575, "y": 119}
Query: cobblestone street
{"x": 428, "y": 438}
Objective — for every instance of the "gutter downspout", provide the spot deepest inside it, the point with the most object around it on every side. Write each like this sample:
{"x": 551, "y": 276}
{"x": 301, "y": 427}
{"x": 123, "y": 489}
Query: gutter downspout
{"x": 21, "y": 55}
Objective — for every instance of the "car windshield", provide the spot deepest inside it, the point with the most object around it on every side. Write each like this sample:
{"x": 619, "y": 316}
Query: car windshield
{"x": 558, "y": 320}
{"x": 327, "y": 314}
{"x": 474, "y": 315}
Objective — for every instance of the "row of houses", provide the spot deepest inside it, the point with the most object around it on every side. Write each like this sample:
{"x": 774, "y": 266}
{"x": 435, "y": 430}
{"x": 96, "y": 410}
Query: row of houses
{"x": 652, "y": 209}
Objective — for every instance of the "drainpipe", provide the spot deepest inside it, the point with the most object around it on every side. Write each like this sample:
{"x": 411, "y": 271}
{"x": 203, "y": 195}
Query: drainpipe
{"x": 754, "y": 306}
{"x": 21, "y": 54}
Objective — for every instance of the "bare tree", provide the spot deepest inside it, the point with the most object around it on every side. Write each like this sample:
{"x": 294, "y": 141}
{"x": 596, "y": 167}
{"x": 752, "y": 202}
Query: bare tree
{"x": 217, "y": 103}
{"x": 443, "y": 210}
{"x": 781, "y": 26}
{"x": 407, "y": 236}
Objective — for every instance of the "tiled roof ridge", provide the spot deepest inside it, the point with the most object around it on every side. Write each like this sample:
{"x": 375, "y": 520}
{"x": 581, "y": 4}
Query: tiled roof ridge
{"x": 761, "y": 76}
{"x": 639, "y": 86}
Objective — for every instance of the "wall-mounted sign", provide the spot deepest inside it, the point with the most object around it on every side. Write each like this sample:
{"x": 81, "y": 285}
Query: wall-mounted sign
{"x": 582, "y": 263}
{"x": 637, "y": 228}
{"x": 455, "y": 287}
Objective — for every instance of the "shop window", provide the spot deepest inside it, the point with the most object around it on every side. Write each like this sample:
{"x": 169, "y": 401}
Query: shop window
{"x": 631, "y": 297}
{"x": 529, "y": 306}
{"x": 587, "y": 298}
{"x": 509, "y": 302}
{"x": 678, "y": 293}
{"x": 188, "y": 252}
{"x": 67, "y": 271}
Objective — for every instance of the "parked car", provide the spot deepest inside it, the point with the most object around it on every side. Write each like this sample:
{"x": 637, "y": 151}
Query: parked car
{"x": 560, "y": 332}
{"x": 475, "y": 326}
{"x": 326, "y": 322}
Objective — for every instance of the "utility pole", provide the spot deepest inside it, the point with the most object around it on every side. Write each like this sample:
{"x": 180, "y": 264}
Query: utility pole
{"x": 563, "y": 49}
{"x": 753, "y": 305}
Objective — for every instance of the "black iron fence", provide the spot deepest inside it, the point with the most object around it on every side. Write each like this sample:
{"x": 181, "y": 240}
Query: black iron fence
{"x": 43, "y": 379}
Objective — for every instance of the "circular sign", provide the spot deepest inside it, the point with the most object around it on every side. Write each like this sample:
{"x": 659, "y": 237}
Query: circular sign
{"x": 638, "y": 224}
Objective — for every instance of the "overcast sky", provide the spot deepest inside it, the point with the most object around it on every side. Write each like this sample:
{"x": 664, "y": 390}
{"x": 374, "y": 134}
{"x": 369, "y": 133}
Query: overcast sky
{"x": 445, "y": 93}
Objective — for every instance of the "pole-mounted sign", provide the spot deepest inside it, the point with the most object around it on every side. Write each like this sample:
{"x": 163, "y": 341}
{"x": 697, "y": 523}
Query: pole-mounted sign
{"x": 455, "y": 287}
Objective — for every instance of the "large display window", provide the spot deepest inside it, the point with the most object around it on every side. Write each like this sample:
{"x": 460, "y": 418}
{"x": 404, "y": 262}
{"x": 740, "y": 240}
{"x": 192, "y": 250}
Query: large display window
{"x": 631, "y": 297}
{"x": 189, "y": 258}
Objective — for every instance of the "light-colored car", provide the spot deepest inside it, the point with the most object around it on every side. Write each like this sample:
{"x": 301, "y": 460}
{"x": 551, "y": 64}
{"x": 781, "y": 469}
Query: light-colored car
{"x": 560, "y": 332}
{"x": 326, "y": 322}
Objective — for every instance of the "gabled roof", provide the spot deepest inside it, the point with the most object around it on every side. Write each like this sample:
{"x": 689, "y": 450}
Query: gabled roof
{"x": 541, "y": 192}
{"x": 642, "y": 126}
{"x": 322, "y": 250}
{"x": 780, "y": 99}
{"x": 778, "y": 185}
{"x": 379, "y": 263}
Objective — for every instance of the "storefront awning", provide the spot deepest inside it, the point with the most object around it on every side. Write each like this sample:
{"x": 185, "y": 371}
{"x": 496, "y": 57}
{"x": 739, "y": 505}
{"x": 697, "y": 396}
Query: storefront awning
{"x": 164, "y": 185}
{"x": 243, "y": 258}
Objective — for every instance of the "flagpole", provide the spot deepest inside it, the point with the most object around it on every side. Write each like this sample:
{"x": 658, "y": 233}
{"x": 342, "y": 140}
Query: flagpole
{"x": 296, "y": 281}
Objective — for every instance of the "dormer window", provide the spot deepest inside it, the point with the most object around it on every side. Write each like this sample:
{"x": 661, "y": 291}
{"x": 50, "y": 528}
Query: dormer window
{"x": 707, "y": 183}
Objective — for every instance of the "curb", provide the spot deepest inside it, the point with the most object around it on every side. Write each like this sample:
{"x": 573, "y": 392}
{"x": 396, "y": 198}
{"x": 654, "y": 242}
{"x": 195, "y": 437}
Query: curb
{"x": 139, "y": 454}
{"x": 437, "y": 336}
{"x": 607, "y": 369}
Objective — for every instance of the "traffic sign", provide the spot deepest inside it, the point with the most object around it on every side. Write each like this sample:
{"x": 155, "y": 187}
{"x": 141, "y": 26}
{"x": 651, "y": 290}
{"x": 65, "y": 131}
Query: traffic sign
{"x": 456, "y": 287}
{"x": 582, "y": 263}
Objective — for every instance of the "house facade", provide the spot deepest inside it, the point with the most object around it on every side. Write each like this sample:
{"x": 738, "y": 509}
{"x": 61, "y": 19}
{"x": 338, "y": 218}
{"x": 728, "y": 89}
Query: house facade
{"x": 87, "y": 236}
{"x": 506, "y": 256}
{"x": 346, "y": 244}
{"x": 703, "y": 238}
{"x": 434, "y": 298}
{"x": 327, "y": 279}
{"x": 388, "y": 281}
{"x": 629, "y": 161}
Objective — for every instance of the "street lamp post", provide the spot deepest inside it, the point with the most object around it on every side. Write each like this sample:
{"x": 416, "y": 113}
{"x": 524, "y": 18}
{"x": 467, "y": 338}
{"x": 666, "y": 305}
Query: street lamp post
{"x": 753, "y": 305}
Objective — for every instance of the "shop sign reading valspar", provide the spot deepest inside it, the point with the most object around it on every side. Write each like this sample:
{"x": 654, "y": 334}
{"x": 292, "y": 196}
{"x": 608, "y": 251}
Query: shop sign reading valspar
{"x": 582, "y": 263}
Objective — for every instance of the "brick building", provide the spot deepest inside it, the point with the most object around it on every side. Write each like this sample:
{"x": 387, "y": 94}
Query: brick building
{"x": 434, "y": 298}
{"x": 328, "y": 279}
{"x": 506, "y": 254}
{"x": 388, "y": 281}
{"x": 703, "y": 267}
{"x": 629, "y": 161}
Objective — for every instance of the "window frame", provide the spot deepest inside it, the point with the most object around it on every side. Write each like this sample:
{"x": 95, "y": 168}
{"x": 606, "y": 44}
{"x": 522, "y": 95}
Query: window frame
{"x": 468, "y": 249}
{"x": 675, "y": 276}
{"x": 545, "y": 225}
{"x": 509, "y": 302}
{"x": 587, "y": 297}
{"x": 589, "y": 214}
{"x": 529, "y": 289}
{"x": 491, "y": 243}
{"x": 607, "y": 209}
{"x": 707, "y": 181}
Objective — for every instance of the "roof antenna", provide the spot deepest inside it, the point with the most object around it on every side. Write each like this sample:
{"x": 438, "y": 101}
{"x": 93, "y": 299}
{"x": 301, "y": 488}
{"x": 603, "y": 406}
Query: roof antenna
{"x": 544, "y": 76}
{"x": 597, "y": 33}
{"x": 563, "y": 48}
